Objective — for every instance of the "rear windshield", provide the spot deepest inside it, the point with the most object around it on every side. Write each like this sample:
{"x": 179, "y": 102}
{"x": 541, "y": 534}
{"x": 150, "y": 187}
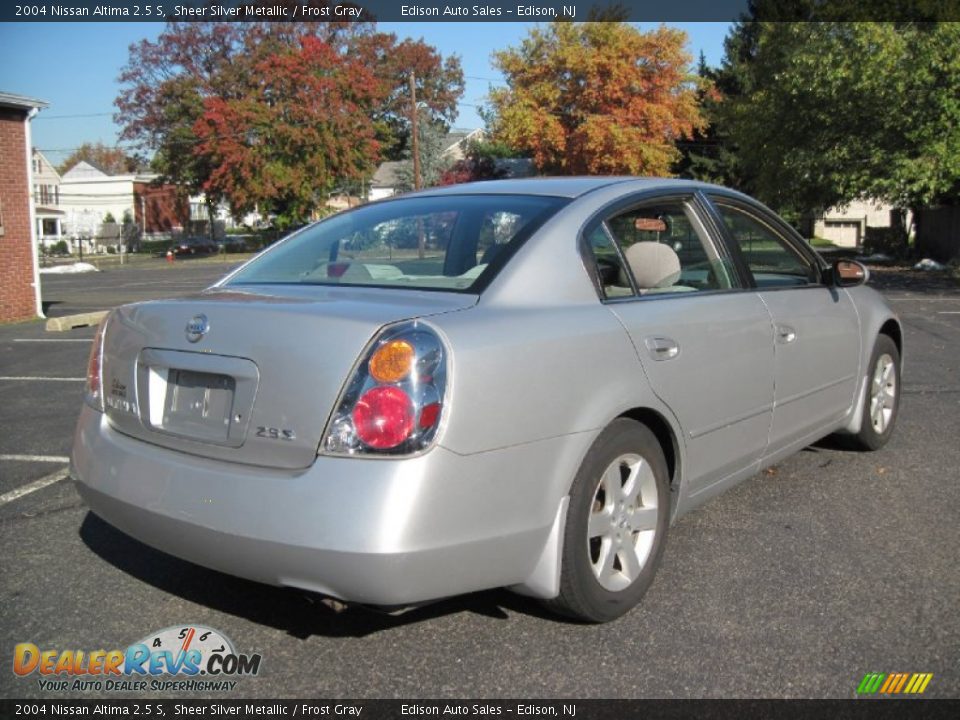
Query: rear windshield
{"x": 452, "y": 242}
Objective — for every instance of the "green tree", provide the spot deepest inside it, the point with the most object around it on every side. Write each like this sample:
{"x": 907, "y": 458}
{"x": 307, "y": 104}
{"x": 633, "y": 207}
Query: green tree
{"x": 432, "y": 161}
{"x": 710, "y": 155}
{"x": 840, "y": 111}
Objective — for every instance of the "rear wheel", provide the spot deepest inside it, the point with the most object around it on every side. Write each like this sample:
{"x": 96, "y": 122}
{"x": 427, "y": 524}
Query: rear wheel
{"x": 883, "y": 396}
{"x": 616, "y": 524}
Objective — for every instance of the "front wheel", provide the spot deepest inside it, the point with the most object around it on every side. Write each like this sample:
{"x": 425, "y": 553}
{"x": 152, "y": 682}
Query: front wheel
{"x": 883, "y": 396}
{"x": 616, "y": 524}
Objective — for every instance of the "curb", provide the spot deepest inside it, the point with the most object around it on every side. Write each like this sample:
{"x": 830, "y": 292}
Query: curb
{"x": 69, "y": 322}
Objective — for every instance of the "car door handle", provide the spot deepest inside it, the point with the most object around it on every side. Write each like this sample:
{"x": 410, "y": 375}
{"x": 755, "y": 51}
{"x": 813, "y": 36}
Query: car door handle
{"x": 662, "y": 348}
{"x": 785, "y": 334}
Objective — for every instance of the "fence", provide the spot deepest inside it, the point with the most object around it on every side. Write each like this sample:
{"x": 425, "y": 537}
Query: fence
{"x": 938, "y": 233}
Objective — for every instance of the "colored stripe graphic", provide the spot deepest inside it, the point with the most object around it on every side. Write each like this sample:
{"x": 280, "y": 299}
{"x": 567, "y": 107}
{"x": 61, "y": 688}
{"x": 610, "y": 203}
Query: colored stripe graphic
{"x": 870, "y": 683}
{"x": 894, "y": 683}
{"x": 890, "y": 682}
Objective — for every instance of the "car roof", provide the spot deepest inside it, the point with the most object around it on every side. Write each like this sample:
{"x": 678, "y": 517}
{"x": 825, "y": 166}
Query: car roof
{"x": 568, "y": 187}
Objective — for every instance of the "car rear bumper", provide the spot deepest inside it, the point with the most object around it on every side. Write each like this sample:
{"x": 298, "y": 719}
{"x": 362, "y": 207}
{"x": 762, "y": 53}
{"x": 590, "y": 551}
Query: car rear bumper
{"x": 377, "y": 531}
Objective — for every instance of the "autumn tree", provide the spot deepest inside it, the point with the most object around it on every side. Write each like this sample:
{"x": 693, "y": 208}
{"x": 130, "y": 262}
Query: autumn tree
{"x": 162, "y": 92}
{"x": 438, "y": 81}
{"x": 598, "y": 98}
{"x": 286, "y": 141}
{"x": 112, "y": 160}
{"x": 170, "y": 85}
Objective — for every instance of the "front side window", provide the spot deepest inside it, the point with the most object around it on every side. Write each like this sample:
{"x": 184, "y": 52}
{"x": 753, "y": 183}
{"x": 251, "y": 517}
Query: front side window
{"x": 449, "y": 242}
{"x": 666, "y": 250}
{"x": 770, "y": 257}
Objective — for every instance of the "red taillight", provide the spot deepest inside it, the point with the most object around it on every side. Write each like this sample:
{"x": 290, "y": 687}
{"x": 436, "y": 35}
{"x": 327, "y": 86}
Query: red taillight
{"x": 93, "y": 369}
{"x": 94, "y": 394}
{"x": 394, "y": 401}
{"x": 429, "y": 415}
{"x": 383, "y": 417}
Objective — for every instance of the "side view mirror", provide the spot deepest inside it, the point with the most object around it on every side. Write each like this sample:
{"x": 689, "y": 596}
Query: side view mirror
{"x": 849, "y": 273}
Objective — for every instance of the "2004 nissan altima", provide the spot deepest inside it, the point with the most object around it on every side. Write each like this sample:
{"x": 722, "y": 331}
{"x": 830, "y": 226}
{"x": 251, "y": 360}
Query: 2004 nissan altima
{"x": 512, "y": 383}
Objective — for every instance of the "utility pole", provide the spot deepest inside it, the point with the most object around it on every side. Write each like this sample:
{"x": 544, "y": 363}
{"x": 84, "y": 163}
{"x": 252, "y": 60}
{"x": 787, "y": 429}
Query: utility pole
{"x": 415, "y": 136}
{"x": 414, "y": 133}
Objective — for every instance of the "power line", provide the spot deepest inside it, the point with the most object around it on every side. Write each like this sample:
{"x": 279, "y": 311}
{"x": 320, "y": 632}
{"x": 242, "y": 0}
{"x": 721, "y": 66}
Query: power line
{"x": 478, "y": 77}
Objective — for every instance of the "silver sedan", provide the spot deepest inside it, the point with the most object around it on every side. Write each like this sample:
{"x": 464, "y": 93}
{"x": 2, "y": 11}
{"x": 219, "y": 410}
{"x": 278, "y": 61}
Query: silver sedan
{"x": 512, "y": 384}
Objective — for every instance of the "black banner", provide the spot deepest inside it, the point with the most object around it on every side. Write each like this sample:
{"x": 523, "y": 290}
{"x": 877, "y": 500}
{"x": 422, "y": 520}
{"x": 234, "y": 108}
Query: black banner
{"x": 488, "y": 11}
{"x": 522, "y": 709}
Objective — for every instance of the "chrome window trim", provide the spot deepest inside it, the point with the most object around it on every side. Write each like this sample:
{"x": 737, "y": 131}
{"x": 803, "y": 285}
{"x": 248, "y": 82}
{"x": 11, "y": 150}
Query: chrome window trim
{"x": 767, "y": 218}
{"x": 691, "y": 199}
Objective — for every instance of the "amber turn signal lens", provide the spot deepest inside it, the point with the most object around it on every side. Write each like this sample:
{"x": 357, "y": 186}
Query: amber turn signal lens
{"x": 392, "y": 362}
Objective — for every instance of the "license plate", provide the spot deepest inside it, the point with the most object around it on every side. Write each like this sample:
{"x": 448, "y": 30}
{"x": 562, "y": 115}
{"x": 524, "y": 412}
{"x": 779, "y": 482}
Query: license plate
{"x": 198, "y": 404}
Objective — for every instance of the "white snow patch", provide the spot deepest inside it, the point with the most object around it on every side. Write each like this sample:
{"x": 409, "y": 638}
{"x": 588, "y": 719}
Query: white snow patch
{"x": 80, "y": 267}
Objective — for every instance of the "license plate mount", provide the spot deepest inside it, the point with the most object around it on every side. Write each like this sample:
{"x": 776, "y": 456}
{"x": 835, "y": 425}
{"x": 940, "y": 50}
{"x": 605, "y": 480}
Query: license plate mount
{"x": 198, "y": 405}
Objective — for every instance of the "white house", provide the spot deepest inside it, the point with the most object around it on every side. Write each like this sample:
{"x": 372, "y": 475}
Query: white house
{"x": 386, "y": 179}
{"x": 46, "y": 200}
{"x": 222, "y": 218}
{"x": 846, "y": 226}
{"x": 154, "y": 210}
{"x": 88, "y": 195}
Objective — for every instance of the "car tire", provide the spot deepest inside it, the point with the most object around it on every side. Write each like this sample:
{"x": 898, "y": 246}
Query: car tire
{"x": 882, "y": 401}
{"x": 616, "y": 524}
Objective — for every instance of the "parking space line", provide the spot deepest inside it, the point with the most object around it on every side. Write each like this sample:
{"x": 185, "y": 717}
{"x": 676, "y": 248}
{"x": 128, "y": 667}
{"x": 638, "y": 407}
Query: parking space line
{"x": 45, "y": 379}
{"x": 34, "y": 486}
{"x": 62, "y": 459}
{"x": 82, "y": 340}
{"x": 948, "y": 312}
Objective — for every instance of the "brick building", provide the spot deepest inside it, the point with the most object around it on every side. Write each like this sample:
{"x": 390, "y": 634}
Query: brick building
{"x": 159, "y": 208}
{"x": 19, "y": 276}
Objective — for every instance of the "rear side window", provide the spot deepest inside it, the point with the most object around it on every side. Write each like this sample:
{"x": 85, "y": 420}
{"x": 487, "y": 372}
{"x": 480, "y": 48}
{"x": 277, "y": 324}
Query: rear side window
{"x": 610, "y": 268}
{"x": 450, "y": 242}
{"x": 770, "y": 257}
{"x": 664, "y": 249}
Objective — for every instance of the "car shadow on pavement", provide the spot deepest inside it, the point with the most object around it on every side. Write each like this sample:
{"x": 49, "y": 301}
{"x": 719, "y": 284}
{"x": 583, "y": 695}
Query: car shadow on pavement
{"x": 905, "y": 279}
{"x": 299, "y": 613}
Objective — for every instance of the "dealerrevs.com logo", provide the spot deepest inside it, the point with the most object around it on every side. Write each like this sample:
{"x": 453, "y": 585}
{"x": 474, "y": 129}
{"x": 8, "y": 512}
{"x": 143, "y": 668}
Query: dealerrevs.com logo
{"x": 179, "y": 658}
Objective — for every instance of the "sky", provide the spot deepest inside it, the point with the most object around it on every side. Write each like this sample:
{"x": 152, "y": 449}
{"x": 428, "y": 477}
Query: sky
{"x": 74, "y": 66}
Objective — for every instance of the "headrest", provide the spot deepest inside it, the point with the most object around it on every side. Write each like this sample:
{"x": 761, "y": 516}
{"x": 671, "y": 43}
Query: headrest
{"x": 654, "y": 265}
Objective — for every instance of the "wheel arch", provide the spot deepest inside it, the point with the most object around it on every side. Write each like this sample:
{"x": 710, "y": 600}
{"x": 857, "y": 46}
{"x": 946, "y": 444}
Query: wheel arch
{"x": 889, "y": 327}
{"x": 665, "y": 435}
{"x": 544, "y": 580}
{"x": 892, "y": 329}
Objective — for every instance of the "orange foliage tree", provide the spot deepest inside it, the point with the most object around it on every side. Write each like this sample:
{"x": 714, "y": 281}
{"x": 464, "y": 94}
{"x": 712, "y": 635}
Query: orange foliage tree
{"x": 597, "y": 98}
{"x": 284, "y": 143}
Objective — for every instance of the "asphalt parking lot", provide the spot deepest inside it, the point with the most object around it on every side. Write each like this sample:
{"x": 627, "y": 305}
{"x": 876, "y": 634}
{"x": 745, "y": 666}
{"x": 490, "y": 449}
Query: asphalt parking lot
{"x": 794, "y": 584}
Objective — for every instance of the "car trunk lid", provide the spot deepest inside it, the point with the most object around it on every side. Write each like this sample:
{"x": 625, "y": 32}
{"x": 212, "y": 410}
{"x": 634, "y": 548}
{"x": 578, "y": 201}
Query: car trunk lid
{"x": 249, "y": 375}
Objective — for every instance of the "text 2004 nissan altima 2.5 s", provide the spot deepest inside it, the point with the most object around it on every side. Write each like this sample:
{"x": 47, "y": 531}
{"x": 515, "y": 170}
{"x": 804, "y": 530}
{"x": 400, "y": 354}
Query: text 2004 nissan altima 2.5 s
{"x": 513, "y": 383}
